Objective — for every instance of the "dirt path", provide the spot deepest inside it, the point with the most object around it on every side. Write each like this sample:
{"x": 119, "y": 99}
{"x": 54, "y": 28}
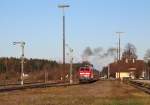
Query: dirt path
{"x": 98, "y": 93}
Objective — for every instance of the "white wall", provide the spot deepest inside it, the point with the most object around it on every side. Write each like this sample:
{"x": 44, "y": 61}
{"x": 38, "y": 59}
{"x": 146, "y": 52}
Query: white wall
{"x": 122, "y": 74}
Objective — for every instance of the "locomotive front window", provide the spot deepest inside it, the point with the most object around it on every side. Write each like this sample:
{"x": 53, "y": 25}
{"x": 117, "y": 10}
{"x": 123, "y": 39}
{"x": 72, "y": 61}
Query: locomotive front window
{"x": 82, "y": 69}
{"x": 87, "y": 69}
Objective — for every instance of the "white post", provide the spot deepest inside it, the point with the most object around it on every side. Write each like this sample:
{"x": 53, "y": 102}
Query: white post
{"x": 71, "y": 62}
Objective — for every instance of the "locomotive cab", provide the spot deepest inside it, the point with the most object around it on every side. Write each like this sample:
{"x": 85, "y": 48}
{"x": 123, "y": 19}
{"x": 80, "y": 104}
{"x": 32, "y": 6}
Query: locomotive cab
{"x": 88, "y": 74}
{"x": 84, "y": 74}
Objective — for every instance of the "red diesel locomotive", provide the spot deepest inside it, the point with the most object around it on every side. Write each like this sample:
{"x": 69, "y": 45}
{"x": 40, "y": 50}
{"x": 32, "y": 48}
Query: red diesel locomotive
{"x": 88, "y": 74}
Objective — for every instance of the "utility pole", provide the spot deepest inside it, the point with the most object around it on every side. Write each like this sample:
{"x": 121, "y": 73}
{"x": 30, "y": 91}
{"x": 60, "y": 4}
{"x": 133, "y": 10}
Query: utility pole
{"x": 63, "y": 6}
{"x": 22, "y": 44}
{"x": 119, "y": 33}
{"x": 117, "y": 52}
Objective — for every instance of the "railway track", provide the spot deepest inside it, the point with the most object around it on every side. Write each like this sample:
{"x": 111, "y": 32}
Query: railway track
{"x": 14, "y": 84}
{"x": 35, "y": 85}
{"x": 140, "y": 85}
{"x": 11, "y": 87}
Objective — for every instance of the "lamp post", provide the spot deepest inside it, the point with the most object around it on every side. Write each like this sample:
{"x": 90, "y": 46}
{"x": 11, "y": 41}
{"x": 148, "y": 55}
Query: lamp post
{"x": 63, "y": 6}
{"x": 22, "y": 44}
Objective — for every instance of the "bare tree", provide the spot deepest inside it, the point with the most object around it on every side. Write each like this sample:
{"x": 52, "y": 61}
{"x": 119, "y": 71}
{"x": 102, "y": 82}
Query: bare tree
{"x": 129, "y": 52}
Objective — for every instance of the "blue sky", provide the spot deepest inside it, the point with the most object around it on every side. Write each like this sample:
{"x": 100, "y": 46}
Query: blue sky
{"x": 88, "y": 23}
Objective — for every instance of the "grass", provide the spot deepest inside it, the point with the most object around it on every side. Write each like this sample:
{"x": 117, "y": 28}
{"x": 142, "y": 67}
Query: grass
{"x": 99, "y": 93}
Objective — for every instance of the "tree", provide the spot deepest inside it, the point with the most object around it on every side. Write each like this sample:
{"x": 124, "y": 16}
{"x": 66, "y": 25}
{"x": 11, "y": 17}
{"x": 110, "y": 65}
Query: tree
{"x": 129, "y": 52}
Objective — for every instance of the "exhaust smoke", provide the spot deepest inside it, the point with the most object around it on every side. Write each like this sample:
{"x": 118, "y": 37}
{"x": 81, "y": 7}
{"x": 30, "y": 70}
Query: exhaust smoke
{"x": 99, "y": 57}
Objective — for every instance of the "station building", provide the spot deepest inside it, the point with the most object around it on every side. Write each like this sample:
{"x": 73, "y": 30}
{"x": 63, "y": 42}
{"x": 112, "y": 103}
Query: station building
{"x": 127, "y": 68}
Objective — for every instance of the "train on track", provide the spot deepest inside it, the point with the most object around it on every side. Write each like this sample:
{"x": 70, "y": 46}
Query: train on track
{"x": 88, "y": 74}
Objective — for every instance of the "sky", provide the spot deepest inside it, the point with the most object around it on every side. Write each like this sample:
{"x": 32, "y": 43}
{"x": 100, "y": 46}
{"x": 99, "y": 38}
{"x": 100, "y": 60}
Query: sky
{"x": 91, "y": 23}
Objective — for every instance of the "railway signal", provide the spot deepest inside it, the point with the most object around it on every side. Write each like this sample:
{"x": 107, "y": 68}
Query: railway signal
{"x": 22, "y": 44}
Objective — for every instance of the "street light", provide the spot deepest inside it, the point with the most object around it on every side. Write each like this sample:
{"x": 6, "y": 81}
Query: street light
{"x": 22, "y": 44}
{"x": 71, "y": 62}
{"x": 63, "y": 6}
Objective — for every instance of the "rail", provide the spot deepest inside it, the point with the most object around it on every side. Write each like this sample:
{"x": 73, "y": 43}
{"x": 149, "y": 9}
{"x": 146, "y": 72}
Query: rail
{"x": 36, "y": 85}
{"x": 144, "y": 86}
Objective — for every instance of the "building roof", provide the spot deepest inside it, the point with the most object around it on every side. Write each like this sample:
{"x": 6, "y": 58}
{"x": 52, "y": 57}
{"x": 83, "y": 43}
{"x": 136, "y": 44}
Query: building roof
{"x": 127, "y": 66}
